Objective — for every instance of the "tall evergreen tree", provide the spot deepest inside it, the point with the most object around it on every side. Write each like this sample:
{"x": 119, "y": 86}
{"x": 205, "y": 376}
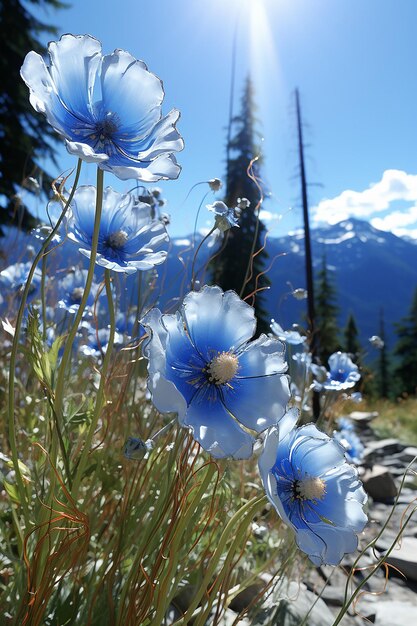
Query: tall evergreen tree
{"x": 326, "y": 314}
{"x": 242, "y": 260}
{"x": 406, "y": 349}
{"x": 383, "y": 365}
{"x": 351, "y": 343}
{"x": 26, "y": 136}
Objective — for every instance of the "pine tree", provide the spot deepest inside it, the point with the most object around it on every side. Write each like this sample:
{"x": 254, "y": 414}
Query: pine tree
{"x": 237, "y": 267}
{"x": 406, "y": 349}
{"x": 383, "y": 365}
{"x": 326, "y": 314}
{"x": 26, "y": 136}
{"x": 351, "y": 343}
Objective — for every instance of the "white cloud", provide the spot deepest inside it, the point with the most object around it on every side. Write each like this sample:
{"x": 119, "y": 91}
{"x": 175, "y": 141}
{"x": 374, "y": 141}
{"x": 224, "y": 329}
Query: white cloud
{"x": 395, "y": 221}
{"x": 395, "y": 185}
{"x": 268, "y": 216}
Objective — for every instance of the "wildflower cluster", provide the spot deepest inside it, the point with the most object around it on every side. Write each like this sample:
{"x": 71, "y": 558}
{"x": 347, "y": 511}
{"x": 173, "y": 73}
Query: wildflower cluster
{"x": 234, "y": 394}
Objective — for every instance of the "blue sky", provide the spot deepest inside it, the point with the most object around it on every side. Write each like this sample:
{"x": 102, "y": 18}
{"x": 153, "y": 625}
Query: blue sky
{"x": 354, "y": 62}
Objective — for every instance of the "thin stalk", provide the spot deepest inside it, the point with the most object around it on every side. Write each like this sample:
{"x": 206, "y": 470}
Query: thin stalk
{"x": 59, "y": 390}
{"x": 246, "y": 511}
{"x": 11, "y": 396}
{"x": 100, "y": 393}
{"x": 193, "y": 278}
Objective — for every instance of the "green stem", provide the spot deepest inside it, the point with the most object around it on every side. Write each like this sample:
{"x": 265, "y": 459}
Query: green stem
{"x": 240, "y": 517}
{"x": 193, "y": 278}
{"x": 59, "y": 390}
{"x": 43, "y": 298}
{"x": 13, "y": 355}
{"x": 100, "y": 392}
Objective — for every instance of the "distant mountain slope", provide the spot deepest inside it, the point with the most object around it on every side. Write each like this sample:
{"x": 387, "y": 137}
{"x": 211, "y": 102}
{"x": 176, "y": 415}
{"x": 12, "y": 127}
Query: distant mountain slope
{"x": 370, "y": 268}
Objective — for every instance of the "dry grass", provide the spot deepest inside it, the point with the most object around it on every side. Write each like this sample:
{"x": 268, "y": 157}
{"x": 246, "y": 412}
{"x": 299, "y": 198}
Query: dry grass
{"x": 396, "y": 418}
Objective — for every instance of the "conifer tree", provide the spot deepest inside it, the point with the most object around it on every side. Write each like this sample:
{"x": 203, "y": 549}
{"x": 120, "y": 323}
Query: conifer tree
{"x": 242, "y": 260}
{"x": 351, "y": 343}
{"x": 406, "y": 350}
{"x": 26, "y": 136}
{"x": 326, "y": 314}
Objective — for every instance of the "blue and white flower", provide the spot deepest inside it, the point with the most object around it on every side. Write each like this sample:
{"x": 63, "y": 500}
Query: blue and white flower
{"x": 129, "y": 239}
{"x": 13, "y": 280}
{"x": 98, "y": 341}
{"x": 107, "y": 108}
{"x": 203, "y": 366}
{"x": 71, "y": 291}
{"x": 292, "y": 337}
{"x": 314, "y": 490}
{"x": 343, "y": 373}
{"x": 351, "y": 444}
{"x": 225, "y": 218}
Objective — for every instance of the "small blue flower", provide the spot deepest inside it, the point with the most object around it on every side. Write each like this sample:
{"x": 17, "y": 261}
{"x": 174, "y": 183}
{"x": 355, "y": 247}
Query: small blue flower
{"x": 351, "y": 444}
{"x": 107, "y": 108}
{"x": 71, "y": 291}
{"x": 136, "y": 449}
{"x": 313, "y": 489}
{"x": 98, "y": 341}
{"x": 344, "y": 423}
{"x": 225, "y": 218}
{"x": 129, "y": 239}
{"x": 292, "y": 337}
{"x": 343, "y": 373}
{"x": 203, "y": 366}
{"x": 13, "y": 280}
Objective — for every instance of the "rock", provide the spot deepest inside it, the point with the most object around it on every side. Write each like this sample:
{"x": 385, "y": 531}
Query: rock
{"x": 362, "y": 418}
{"x": 289, "y": 604}
{"x": 405, "y": 558}
{"x": 379, "y": 484}
{"x": 383, "y": 448}
{"x": 394, "y": 613}
{"x": 245, "y": 597}
{"x": 229, "y": 618}
{"x": 408, "y": 454}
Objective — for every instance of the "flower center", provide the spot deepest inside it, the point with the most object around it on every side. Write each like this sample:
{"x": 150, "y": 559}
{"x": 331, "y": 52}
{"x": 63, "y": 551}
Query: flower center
{"x": 309, "y": 488}
{"x": 222, "y": 368}
{"x": 77, "y": 294}
{"x": 105, "y": 129}
{"x": 117, "y": 239}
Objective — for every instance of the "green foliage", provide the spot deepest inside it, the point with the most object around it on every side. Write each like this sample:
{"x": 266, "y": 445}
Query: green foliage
{"x": 406, "y": 350}
{"x": 351, "y": 343}
{"x": 26, "y": 137}
{"x": 242, "y": 260}
{"x": 326, "y": 314}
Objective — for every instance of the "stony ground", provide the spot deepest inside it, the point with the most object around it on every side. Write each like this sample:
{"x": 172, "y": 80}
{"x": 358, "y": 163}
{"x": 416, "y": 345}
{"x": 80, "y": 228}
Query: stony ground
{"x": 389, "y": 598}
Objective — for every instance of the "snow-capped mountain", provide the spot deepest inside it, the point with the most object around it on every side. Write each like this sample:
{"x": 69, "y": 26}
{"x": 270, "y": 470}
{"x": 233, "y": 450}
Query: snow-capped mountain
{"x": 371, "y": 270}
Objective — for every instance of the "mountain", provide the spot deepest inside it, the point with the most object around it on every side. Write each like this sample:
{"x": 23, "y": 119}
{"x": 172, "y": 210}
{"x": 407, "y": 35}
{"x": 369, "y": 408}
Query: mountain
{"x": 371, "y": 269}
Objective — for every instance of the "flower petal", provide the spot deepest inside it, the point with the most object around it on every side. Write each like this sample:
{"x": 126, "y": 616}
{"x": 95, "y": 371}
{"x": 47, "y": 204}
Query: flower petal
{"x": 218, "y": 433}
{"x": 217, "y": 321}
{"x": 131, "y": 92}
{"x": 85, "y": 152}
{"x": 165, "y": 395}
{"x": 74, "y": 64}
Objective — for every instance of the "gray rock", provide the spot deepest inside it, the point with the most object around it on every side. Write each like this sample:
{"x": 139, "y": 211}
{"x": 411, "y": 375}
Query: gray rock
{"x": 229, "y": 618}
{"x": 288, "y": 606}
{"x": 395, "y": 613}
{"x": 408, "y": 454}
{"x": 379, "y": 484}
{"x": 383, "y": 448}
{"x": 362, "y": 417}
{"x": 405, "y": 558}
